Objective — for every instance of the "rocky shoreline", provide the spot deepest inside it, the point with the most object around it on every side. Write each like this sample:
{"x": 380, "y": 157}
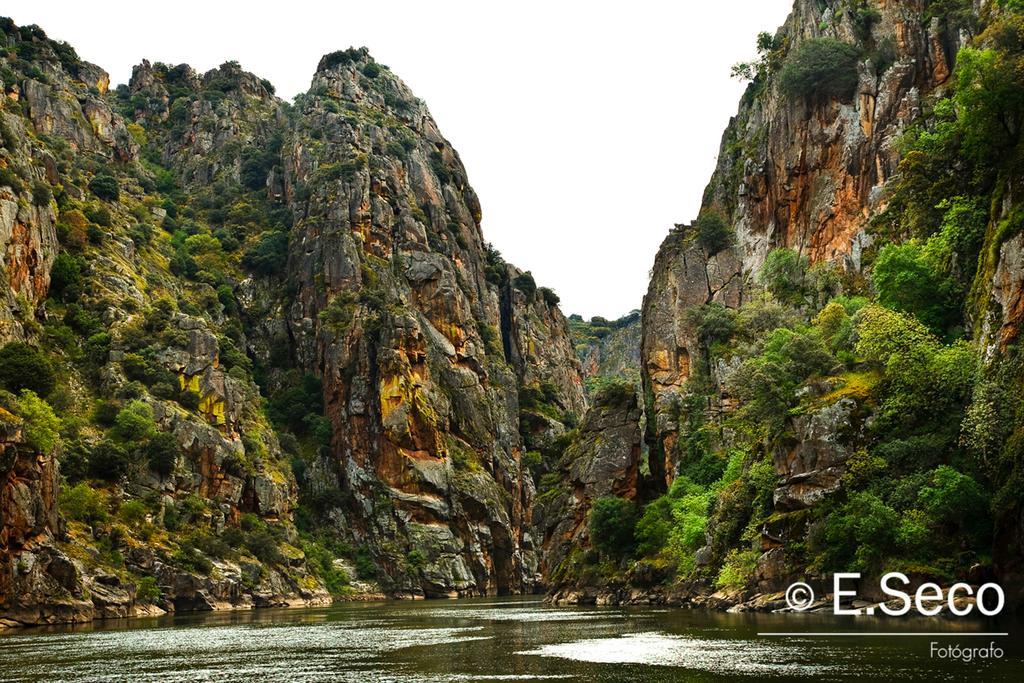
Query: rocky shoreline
{"x": 105, "y": 605}
{"x": 687, "y": 597}
{"x": 107, "y": 597}
{"x": 109, "y": 600}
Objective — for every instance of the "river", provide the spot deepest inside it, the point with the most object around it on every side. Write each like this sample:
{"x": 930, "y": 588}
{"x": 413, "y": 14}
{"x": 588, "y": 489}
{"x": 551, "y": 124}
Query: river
{"x": 498, "y": 639}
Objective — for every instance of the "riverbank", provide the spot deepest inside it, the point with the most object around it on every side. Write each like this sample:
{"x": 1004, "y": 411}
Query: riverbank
{"x": 736, "y": 601}
{"x": 109, "y": 601}
{"x": 105, "y": 597}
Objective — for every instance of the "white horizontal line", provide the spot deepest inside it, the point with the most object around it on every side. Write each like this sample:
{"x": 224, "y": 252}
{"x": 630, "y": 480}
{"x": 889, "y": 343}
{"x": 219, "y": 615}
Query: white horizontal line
{"x": 819, "y": 634}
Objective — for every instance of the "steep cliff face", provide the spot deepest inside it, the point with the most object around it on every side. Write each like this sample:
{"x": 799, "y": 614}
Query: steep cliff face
{"x": 212, "y": 121}
{"x": 28, "y": 240}
{"x": 603, "y": 460}
{"x": 39, "y": 583}
{"x": 797, "y": 171}
{"x": 538, "y": 344}
{"x": 789, "y": 436}
{"x": 151, "y": 411}
{"x": 290, "y": 358}
{"x": 807, "y": 173}
{"x": 421, "y": 356}
{"x": 685, "y": 277}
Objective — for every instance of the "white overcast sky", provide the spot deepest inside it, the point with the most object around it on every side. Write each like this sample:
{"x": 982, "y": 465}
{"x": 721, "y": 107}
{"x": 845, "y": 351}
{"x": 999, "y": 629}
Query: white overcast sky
{"x": 587, "y": 128}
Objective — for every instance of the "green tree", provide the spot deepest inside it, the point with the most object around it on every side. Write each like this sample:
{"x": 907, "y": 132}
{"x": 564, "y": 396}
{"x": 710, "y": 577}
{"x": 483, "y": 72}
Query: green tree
{"x": 713, "y": 232}
{"x": 132, "y": 512}
{"x": 690, "y": 502}
{"x": 989, "y": 91}
{"x": 963, "y": 231}
{"x": 886, "y": 336}
{"x": 714, "y": 323}
{"x": 105, "y": 186}
{"x": 783, "y": 274}
{"x": 24, "y": 367}
{"x": 767, "y": 382}
{"x": 202, "y": 244}
{"x": 109, "y": 461}
{"x": 264, "y": 547}
{"x": 957, "y": 501}
{"x": 654, "y": 527}
{"x": 861, "y": 534}
{"x": 525, "y": 283}
{"x": 83, "y": 504}
{"x": 615, "y": 393}
{"x": 924, "y": 380}
{"x": 769, "y": 53}
{"x": 71, "y": 229}
{"x": 147, "y": 591}
{"x": 290, "y": 406}
{"x": 135, "y": 421}
{"x": 495, "y": 268}
{"x": 163, "y": 452}
{"x": 834, "y": 324}
{"x": 612, "y": 525}
{"x": 821, "y": 68}
{"x": 41, "y": 428}
{"x": 269, "y": 255}
{"x": 66, "y": 277}
{"x": 907, "y": 280}
{"x": 550, "y": 297}
{"x": 41, "y": 193}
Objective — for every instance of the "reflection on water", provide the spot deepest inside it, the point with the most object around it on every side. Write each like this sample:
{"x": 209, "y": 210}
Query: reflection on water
{"x": 703, "y": 654}
{"x": 492, "y": 640}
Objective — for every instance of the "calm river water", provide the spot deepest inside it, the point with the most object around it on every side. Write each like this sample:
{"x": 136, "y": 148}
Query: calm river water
{"x": 499, "y": 639}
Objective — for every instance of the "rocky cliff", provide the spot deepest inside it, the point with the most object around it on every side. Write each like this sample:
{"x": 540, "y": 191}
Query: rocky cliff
{"x": 603, "y": 460}
{"x": 797, "y": 171}
{"x": 421, "y": 348}
{"x": 270, "y": 351}
{"x": 259, "y": 353}
{"x": 31, "y": 565}
{"x": 794, "y": 336}
{"x": 150, "y": 413}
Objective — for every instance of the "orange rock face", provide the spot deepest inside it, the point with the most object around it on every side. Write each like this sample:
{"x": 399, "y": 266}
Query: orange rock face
{"x": 805, "y": 173}
{"x": 421, "y": 347}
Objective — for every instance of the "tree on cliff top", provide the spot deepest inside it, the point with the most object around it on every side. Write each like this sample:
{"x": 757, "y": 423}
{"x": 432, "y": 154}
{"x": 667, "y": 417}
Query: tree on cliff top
{"x": 713, "y": 231}
{"x": 770, "y": 51}
{"x": 821, "y": 68}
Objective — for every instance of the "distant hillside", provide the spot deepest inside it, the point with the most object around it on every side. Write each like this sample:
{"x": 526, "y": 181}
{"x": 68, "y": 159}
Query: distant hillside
{"x": 608, "y": 349}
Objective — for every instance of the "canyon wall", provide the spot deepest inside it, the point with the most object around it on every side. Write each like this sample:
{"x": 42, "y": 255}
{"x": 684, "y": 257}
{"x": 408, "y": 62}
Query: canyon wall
{"x": 795, "y": 172}
{"x": 283, "y": 365}
{"x": 777, "y": 432}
